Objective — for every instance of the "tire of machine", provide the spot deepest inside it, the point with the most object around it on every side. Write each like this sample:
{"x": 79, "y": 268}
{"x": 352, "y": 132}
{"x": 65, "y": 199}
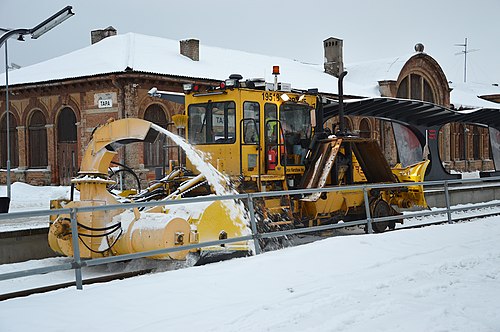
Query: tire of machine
{"x": 380, "y": 209}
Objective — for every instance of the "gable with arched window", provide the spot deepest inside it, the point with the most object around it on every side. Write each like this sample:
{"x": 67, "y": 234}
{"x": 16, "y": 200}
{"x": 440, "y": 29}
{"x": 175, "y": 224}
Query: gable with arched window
{"x": 37, "y": 133}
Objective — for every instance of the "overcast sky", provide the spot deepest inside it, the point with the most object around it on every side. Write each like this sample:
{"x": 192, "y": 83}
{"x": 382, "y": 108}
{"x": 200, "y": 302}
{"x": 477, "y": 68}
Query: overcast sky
{"x": 293, "y": 29}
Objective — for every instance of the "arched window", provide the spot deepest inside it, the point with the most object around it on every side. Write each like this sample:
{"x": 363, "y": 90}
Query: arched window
{"x": 14, "y": 156}
{"x": 365, "y": 129}
{"x": 66, "y": 126}
{"x": 461, "y": 142}
{"x": 153, "y": 152}
{"x": 348, "y": 124}
{"x": 476, "y": 143}
{"x": 415, "y": 87}
{"x": 451, "y": 139}
{"x": 37, "y": 140}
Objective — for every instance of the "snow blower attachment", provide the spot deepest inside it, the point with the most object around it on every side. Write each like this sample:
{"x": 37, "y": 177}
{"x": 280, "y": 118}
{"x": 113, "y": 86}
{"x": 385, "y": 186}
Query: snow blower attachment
{"x": 115, "y": 232}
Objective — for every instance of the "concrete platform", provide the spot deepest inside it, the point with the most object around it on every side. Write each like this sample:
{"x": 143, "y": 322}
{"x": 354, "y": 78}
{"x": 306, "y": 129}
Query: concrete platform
{"x": 463, "y": 194}
{"x": 22, "y": 245}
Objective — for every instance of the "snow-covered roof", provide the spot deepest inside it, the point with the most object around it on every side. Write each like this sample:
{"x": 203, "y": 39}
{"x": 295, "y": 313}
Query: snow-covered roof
{"x": 142, "y": 53}
{"x": 467, "y": 95}
{"x": 369, "y": 73}
{"x": 161, "y": 56}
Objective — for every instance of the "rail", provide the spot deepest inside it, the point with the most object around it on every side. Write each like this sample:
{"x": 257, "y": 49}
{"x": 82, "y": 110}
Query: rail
{"x": 77, "y": 264}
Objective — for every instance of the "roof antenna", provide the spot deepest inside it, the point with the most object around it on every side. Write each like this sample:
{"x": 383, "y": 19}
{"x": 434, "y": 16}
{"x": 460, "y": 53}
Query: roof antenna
{"x": 464, "y": 52}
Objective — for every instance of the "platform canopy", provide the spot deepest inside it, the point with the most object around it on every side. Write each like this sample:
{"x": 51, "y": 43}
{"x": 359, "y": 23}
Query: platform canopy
{"x": 412, "y": 112}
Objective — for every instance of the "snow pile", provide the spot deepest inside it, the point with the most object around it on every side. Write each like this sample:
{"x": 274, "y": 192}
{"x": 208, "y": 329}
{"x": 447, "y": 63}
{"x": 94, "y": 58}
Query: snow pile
{"x": 26, "y": 197}
{"x": 440, "y": 278}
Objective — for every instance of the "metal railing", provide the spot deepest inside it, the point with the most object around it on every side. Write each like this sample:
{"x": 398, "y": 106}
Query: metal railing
{"x": 77, "y": 264}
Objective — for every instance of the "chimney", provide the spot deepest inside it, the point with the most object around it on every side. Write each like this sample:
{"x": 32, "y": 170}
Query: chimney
{"x": 334, "y": 63}
{"x": 98, "y": 35}
{"x": 191, "y": 49}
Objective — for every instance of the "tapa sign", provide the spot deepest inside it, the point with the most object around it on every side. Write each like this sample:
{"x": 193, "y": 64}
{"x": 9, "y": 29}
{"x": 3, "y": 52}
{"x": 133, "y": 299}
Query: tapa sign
{"x": 105, "y": 100}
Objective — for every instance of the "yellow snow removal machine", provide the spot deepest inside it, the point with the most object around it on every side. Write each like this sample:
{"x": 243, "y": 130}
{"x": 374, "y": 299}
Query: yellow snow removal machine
{"x": 255, "y": 135}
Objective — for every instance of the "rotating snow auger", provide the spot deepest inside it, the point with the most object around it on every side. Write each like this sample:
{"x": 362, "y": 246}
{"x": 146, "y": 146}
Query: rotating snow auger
{"x": 116, "y": 232}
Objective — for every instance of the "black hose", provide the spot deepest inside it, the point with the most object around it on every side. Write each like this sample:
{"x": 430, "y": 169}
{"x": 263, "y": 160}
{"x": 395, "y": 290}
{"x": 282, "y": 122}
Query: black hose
{"x": 131, "y": 171}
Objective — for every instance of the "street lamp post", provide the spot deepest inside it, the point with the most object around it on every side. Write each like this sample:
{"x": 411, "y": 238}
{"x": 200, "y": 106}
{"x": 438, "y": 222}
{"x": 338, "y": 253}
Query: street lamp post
{"x": 7, "y": 118}
{"x": 35, "y": 32}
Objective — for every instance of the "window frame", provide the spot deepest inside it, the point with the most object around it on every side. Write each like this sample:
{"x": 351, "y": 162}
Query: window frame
{"x": 206, "y": 128}
{"x": 38, "y": 153}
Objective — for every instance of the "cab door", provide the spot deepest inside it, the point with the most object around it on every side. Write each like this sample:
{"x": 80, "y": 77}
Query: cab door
{"x": 250, "y": 140}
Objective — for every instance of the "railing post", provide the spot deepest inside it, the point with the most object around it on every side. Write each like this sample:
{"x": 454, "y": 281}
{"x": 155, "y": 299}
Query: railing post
{"x": 253, "y": 224}
{"x": 367, "y": 210}
{"x": 76, "y": 249}
{"x": 447, "y": 201}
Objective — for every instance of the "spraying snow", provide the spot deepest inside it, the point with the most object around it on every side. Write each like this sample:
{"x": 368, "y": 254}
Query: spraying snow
{"x": 213, "y": 176}
{"x": 220, "y": 183}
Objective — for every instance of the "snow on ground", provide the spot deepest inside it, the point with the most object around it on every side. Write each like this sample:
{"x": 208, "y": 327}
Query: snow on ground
{"x": 439, "y": 278}
{"x": 25, "y": 197}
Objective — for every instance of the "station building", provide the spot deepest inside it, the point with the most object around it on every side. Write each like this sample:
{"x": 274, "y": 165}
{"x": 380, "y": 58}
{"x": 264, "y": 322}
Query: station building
{"x": 55, "y": 105}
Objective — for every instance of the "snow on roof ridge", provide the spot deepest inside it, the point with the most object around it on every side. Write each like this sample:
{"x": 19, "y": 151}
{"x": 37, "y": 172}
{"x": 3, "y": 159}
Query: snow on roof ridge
{"x": 140, "y": 35}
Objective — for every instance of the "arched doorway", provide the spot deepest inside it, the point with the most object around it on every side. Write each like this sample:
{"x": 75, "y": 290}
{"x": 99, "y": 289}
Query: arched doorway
{"x": 154, "y": 152}
{"x": 67, "y": 147}
{"x": 14, "y": 151}
{"x": 37, "y": 140}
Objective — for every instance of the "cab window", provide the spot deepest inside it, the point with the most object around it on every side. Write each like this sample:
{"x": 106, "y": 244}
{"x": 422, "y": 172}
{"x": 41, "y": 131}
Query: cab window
{"x": 271, "y": 115}
{"x": 212, "y": 123}
{"x": 251, "y": 114}
{"x": 295, "y": 120}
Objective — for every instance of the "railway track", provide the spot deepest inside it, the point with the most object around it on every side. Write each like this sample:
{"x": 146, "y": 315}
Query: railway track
{"x": 454, "y": 220}
{"x": 130, "y": 274}
{"x": 89, "y": 281}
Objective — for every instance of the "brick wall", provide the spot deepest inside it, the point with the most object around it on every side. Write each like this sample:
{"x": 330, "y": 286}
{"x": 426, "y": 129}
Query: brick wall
{"x": 129, "y": 96}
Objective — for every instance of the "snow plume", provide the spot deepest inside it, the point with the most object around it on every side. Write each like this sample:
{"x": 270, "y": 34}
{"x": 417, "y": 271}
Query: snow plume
{"x": 220, "y": 183}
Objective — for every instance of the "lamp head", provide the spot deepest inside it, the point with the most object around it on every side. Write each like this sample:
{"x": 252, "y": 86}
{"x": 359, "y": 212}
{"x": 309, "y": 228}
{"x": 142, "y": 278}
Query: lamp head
{"x": 51, "y": 22}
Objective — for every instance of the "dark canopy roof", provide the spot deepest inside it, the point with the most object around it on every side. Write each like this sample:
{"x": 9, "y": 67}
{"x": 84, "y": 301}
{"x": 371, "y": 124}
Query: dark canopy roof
{"x": 413, "y": 112}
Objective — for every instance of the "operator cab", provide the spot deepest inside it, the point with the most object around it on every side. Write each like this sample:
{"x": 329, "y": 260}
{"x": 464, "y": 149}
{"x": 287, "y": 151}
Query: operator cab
{"x": 253, "y": 130}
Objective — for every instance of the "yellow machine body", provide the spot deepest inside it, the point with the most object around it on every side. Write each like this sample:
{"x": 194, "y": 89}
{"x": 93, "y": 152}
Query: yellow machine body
{"x": 263, "y": 141}
{"x": 235, "y": 113}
